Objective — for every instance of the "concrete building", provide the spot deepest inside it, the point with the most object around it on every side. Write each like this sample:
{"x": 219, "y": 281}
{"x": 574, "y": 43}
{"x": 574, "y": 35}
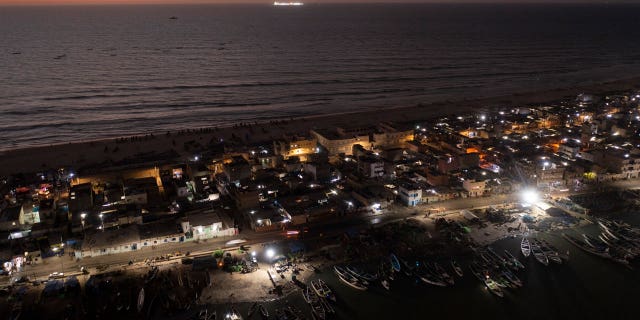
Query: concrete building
{"x": 244, "y": 197}
{"x": 371, "y": 166}
{"x": 382, "y": 136}
{"x": 620, "y": 162}
{"x": 295, "y": 146}
{"x": 410, "y": 194}
{"x": 207, "y": 225}
{"x": 474, "y": 188}
{"x": 237, "y": 169}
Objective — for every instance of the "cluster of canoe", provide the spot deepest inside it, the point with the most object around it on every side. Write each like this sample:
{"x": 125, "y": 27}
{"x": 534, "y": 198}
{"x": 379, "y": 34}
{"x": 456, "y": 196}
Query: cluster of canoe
{"x": 542, "y": 251}
{"x": 617, "y": 241}
{"x": 354, "y": 277}
{"x": 496, "y": 271}
{"x": 317, "y": 295}
{"x": 255, "y": 307}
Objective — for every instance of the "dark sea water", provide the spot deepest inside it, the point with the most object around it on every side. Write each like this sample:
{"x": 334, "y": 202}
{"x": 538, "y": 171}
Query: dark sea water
{"x": 78, "y": 73}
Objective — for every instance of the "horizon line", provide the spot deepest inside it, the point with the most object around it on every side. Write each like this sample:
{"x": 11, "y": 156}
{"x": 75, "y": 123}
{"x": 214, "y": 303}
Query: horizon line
{"x": 316, "y": 2}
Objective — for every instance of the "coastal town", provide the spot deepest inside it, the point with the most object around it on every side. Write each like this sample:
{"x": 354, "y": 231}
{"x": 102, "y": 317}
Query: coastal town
{"x": 251, "y": 213}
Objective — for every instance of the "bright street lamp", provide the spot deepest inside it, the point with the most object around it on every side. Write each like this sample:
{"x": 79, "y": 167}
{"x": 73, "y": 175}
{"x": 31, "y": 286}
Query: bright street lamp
{"x": 271, "y": 253}
{"x": 530, "y": 196}
{"x": 82, "y": 216}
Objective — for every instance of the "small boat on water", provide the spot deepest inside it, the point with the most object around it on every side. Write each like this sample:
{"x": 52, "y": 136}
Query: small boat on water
{"x": 539, "y": 255}
{"x": 395, "y": 264}
{"x": 514, "y": 261}
{"x": 512, "y": 278}
{"x": 496, "y": 257}
{"x": 443, "y": 274}
{"x": 525, "y": 247}
{"x": 551, "y": 254}
{"x": 386, "y": 284}
{"x": 456, "y": 268}
{"x": 476, "y": 271}
{"x": 322, "y": 289}
{"x": 428, "y": 276}
{"x": 263, "y": 311}
{"x": 494, "y": 287}
{"x": 140, "y": 300}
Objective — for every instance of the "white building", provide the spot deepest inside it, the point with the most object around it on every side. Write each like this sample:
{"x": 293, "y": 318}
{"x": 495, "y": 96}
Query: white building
{"x": 409, "y": 194}
{"x": 474, "y": 188}
{"x": 371, "y": 167}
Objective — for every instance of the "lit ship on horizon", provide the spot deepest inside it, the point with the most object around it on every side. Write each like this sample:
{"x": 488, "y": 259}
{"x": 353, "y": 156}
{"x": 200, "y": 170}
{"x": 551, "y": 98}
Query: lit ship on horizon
{"x": 276, "y": 3}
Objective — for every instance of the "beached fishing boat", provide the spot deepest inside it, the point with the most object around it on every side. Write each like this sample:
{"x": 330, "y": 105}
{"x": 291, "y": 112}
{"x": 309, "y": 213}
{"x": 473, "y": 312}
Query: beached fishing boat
{"x": 327, "y": 306}
{"x": 358, "y": 274}
{"x": 428, "y": 276}
{"x": 140, "y": 300}
{"x": 539, "y": 254}
{"x": 351, "y": 281}
{"x": 233, "y": 314}
{"x": 594, "y": 243}
{"x": 338, "y": 270}
{"x": 386, "y": 284}
{"x": 551, "y": 254}
{"x": 322, "y": 289}
{"x": 496, "y": 257}
{"x": 456, "y": 268}
{"x": 514, "y": 261}
{"x": 584, "y": 246}
{"x": 407, "y": 268}
{"x": 494, "y": 287}
{"x": 306, "y": 294}
{"x": 361, "y": 274}
{"x": 476, "y": 271}
{"x": 512, "y": 278}
{"x": 318, "y": 312}
{"x": 263, "y": 311}
{"x": 252, "y": 309}
{"x": 208, "y": 279}
{"x": 444, "y": 275}
{"x": 395, "y": 264}
{"x": 525, "y": 247}
{"x": 317, "y": 307}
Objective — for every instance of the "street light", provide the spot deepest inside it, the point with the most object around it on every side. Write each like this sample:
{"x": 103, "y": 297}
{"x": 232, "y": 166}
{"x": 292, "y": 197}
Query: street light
{"x": 56, "y": 249}
{"x": 529, "y": 196}
{"x": 82, "y": 216}
{"x": 270, "y": 253}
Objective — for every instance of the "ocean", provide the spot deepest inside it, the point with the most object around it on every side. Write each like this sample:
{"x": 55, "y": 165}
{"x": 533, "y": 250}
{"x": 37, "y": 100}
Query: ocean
{"x": 75, "y": 73}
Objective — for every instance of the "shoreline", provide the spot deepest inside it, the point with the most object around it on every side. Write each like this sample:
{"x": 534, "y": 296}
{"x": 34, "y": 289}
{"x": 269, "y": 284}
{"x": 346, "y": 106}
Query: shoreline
{"x": 94, "y": 152}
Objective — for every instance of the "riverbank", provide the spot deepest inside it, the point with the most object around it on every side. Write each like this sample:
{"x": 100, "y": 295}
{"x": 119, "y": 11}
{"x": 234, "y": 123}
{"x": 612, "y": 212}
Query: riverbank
{"x": 154, "y": 146}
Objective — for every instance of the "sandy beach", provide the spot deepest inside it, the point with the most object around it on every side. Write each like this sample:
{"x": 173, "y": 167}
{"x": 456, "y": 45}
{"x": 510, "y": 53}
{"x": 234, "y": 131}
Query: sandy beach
{"x": 181, "y": 145}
